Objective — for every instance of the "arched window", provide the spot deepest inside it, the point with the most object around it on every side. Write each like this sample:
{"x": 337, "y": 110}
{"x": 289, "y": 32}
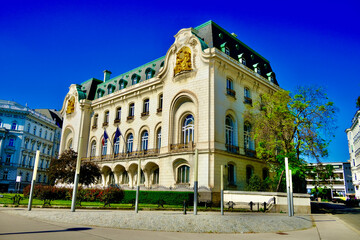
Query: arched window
{"x": 248, "y": 141}
{"x": 188, "y": 129}
{"x": 249, "y": 173}
{"x": 100, "y": 93}
{"x": 116, "y": 146}
{"x": 13, "y": 126}
{"x": 142, "y": 177}
{"x": 231, "y": 174}
{"x": 229, "y": 131}
{"x": 156, "y": 175}
{"x": 183, "y": 174}
{"x": 34, "y": 130}
{"x": 40, "y": 132}
{"x": 111, "y": 88}
{"x": 104, "y": 149}
{"x": 93, "y": 149}
{"x": 158, "y": 142}
{"x": 129, "y": 142}
{"x": 144, "y": 140}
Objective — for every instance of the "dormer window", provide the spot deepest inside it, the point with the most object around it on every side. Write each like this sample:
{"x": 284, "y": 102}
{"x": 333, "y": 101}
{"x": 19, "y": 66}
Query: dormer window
{"x": 100, "y": 93}
{"x": 149, "y": 73}
{"x": 243, "y": 61}
{"x": 122, "y": 84}
{"x": 257, "y": 68}
{"x": 111, "y": 88}
{"x": 135, "y": 79}
{"x": 225, "y": 48}
{"x": 271, "y": 77}
{"x": 227, "y": 51}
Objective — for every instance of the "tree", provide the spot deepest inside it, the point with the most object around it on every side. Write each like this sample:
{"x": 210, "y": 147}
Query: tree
{"x": 63, "y": 169}
{"x": 358, "y": 103}
{"x": 292, "y": 126}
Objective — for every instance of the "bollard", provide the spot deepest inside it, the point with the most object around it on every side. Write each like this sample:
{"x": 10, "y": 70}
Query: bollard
{"x": 185, "y": 207}
{"x": 264, "y": 206}
{"x": 251, "y": 205}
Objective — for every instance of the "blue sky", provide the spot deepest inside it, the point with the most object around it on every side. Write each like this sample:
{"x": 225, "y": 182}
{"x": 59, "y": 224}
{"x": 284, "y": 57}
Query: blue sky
{"x": 47, "y": 45}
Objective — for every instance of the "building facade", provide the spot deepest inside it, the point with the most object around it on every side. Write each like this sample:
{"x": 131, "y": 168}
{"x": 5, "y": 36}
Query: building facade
{"x": 192, "y": 98}
{"x": 353, "y": 136}
{"x": 340, "y": 185}
{"x": 22, "y": 132}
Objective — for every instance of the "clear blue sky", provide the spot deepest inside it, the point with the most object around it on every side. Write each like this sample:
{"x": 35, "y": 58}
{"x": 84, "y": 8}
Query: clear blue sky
{"x": 47, "y": 45}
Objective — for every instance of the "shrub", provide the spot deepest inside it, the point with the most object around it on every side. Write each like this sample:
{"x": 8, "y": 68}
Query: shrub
{"x": 111, "y": 195}
{"x": 153, "y": 197}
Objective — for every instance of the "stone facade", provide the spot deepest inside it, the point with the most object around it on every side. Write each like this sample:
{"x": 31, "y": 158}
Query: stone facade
{"x": 193, "y": 98}
{"x": 353, "y": 135}
{"x": 22, "y": 132}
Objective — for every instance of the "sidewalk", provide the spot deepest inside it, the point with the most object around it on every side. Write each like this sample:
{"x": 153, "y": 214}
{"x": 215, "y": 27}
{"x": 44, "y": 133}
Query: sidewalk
{"x": 37, "y": 225}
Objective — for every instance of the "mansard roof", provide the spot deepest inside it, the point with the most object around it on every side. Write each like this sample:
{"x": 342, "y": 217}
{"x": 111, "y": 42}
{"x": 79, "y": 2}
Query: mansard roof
{"x": 210, "y": 35}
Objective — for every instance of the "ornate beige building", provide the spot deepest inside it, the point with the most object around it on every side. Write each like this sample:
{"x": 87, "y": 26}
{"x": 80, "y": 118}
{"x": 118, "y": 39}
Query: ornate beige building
{"x": 192, "y": 98}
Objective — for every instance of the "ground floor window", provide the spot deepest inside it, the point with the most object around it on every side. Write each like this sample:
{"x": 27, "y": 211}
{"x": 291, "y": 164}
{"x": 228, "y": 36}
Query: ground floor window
{"x": 183, "y": 174}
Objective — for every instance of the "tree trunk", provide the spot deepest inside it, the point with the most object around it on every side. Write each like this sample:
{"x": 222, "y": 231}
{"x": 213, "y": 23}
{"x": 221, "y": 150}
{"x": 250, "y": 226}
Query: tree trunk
{"x": 281, "y": 176}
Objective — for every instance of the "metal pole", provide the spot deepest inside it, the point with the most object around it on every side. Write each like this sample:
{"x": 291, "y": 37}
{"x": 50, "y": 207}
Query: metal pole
{"x": 196, "y": 182}
{"x": 138, "y": 187}
{"x": 291, "y": 194}
{"x": 222, "y": 189}
{"x": 78, "y": 163}
{"x": 287, "y": 185}
{"x": 33, "y": 179}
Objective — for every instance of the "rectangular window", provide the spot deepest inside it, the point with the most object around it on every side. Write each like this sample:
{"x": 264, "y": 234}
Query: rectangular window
{"x": 5, "y": 175}
{"x": 8, "y": 159}
{"x": 118, "y": 114}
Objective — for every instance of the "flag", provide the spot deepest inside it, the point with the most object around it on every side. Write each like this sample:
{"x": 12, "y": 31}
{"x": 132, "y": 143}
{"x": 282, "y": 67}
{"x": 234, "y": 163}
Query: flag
{"x": 117, "y": 134}
{"x": 104, "y": 140}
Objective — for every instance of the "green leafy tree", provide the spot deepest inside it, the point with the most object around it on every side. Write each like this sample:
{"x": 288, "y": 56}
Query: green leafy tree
{"x": 358, "y": 103}
{"x": 63, "y": 169}
{"x": 292, "y": 126}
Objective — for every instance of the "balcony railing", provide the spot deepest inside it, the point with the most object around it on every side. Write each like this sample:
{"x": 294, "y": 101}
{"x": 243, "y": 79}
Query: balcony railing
{"x": 130, "y": 118}
{"x": 159, "y": 110}
{"x": 250, "y": 153}
{"x": 105, "y": 124}
{"x": 116, "y": 121}
{"x": 123, "y": 156}
{"x": 182, "y": 147}
{"x": 143, "y": 114}
{"x": 230, "y": 92}
{"x": 94, "y": 127}
{"x": 247, "y": 100}
{"x": 232, "y": 148}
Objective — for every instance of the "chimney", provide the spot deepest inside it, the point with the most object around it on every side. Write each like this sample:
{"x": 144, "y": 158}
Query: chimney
{"x": 107, "y": 74}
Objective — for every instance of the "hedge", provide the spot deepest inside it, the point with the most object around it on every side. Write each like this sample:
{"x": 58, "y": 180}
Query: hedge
{"x": 153, "y": 197}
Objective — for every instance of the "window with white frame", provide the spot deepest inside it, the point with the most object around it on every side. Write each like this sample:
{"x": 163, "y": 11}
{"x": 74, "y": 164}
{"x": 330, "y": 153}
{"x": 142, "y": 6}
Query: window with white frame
{"x": 8, "y": 159}
{"x": 188, "y": 129}
{"x": 131, "y": 110}
{"x": 144, "y": 140}
{"x": 45, "y": 134}
{"x": 158, "y": 142}
{"x": 243, "y": 61}
{"x": 93, "y": 149}
{"x": 129, "y": 142}
{"x": 95, "y": 120}
{"x": 13, "y": 126}
{"x": 117, "y": 146}
{"x": 40, "y": 131}
{"x": 248, "y": 141}
{"x": 34, "y": 130}
{"x": 227, "y": 51}
{"x": 104, "y": 149}
{"x": 146, "y": 107}
{"x": 229, "y": 131}
{"x": 106, "y": 117}
{"x": 118, "y": 114}
{"x": 183, "y": 174}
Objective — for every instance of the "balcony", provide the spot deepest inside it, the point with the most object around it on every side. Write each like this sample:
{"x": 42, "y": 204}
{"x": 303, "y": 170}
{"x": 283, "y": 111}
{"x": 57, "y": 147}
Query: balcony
{"x": 250, "y": 153}
{"x": 116, "y": 121}
{"x": 248, "y": 100}
{"x": 143, "y": 114}
{"x": 182, "y": 147}
{"x": 105, "y": 124}
{"x": 123, "y": 156}
{"x": 129, "y": 118}
{"x": 230, "y": 92}
{"x": 159, "y": 110}
{"x": 232, "y": 148}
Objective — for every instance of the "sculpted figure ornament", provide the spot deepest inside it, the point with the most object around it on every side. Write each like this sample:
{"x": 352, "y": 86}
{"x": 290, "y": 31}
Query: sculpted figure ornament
{"x": 70, "y": 105}
{"x": 183, "y": 60}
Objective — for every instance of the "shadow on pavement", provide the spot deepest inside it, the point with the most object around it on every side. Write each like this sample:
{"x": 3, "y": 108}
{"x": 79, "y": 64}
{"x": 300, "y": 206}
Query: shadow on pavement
{"x": 50, "y": 231}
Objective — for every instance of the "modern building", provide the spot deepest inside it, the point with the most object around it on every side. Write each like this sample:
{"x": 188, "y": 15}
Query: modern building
{"x": 353, "y": 135}
{"x": 341, "y": 184}
{"x": 22, "y": 132}
{"x": 194, "y": 97}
